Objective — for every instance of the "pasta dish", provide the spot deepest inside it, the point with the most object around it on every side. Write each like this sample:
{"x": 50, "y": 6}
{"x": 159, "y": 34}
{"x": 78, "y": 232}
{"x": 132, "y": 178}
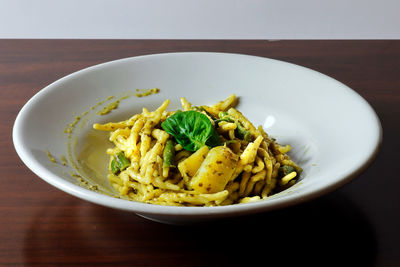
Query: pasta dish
{"x": 198, "y": 156}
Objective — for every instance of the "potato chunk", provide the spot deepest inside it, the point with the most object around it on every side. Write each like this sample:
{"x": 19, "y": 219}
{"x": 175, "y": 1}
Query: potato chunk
{"x": 190, "y": 165}
{"x": 215, "y": 171}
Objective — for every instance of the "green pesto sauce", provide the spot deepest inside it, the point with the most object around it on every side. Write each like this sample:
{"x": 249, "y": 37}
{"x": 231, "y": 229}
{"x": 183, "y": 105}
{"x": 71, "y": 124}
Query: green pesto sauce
{"x": 109, "y": 108}
{"x": 50, "y": 156}
{"x": 146, "y": 92}
{"x": 101, "y": 102}
{"x": 88, "y": 164}
{"x": 70, "y": 127}
{"x": 64, "y": 160}
{"x": 83, "y": 182}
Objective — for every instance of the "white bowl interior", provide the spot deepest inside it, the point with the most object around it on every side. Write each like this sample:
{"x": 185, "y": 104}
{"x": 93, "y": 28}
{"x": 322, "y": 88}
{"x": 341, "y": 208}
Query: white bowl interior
{"x": 334, "y": 133}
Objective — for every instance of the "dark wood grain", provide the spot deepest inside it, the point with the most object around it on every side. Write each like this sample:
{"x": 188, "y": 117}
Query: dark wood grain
{"x": 357, "y": 225}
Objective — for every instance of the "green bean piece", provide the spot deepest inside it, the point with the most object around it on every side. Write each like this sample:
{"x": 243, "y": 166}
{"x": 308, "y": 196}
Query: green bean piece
{"x": 169, "y": 154}
{"x": 203, "y": 109}
{"x": 122, "y": 161}
{"x": 242, "y": 133}
{"x": 285, "y": 170}
{"x": 223, "y": 116}
{"x": 114, "y": 167}
{"x": 230, "y": 142}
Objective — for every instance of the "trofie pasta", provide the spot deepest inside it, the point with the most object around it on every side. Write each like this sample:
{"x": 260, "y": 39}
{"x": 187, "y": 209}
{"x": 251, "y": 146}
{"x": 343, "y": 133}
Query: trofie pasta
{"x": 200, "y": 156}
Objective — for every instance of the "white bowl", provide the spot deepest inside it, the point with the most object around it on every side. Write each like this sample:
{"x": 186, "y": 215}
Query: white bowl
{"x": 334, "y": 133}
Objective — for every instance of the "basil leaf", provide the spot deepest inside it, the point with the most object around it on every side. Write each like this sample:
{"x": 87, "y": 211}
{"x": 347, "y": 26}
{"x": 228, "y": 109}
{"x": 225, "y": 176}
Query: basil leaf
{"x": 214, "y": 139}
{"x": 191, "y": 129}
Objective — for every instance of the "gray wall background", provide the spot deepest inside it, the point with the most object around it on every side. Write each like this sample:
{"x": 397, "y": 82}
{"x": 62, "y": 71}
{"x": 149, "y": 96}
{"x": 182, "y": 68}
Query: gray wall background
{"x": 200, "y": 19}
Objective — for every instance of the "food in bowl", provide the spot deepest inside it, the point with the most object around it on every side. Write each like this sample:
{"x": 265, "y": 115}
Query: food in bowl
{"x": 200, "y": 156}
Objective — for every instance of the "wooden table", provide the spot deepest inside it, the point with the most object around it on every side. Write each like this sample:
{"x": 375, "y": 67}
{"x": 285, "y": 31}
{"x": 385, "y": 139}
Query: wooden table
{"x": 358, "y": 225}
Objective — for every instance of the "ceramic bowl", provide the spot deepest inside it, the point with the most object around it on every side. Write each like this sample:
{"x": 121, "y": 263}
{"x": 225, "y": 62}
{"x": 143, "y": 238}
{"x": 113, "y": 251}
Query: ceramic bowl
{"x": 334, "y": 133}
